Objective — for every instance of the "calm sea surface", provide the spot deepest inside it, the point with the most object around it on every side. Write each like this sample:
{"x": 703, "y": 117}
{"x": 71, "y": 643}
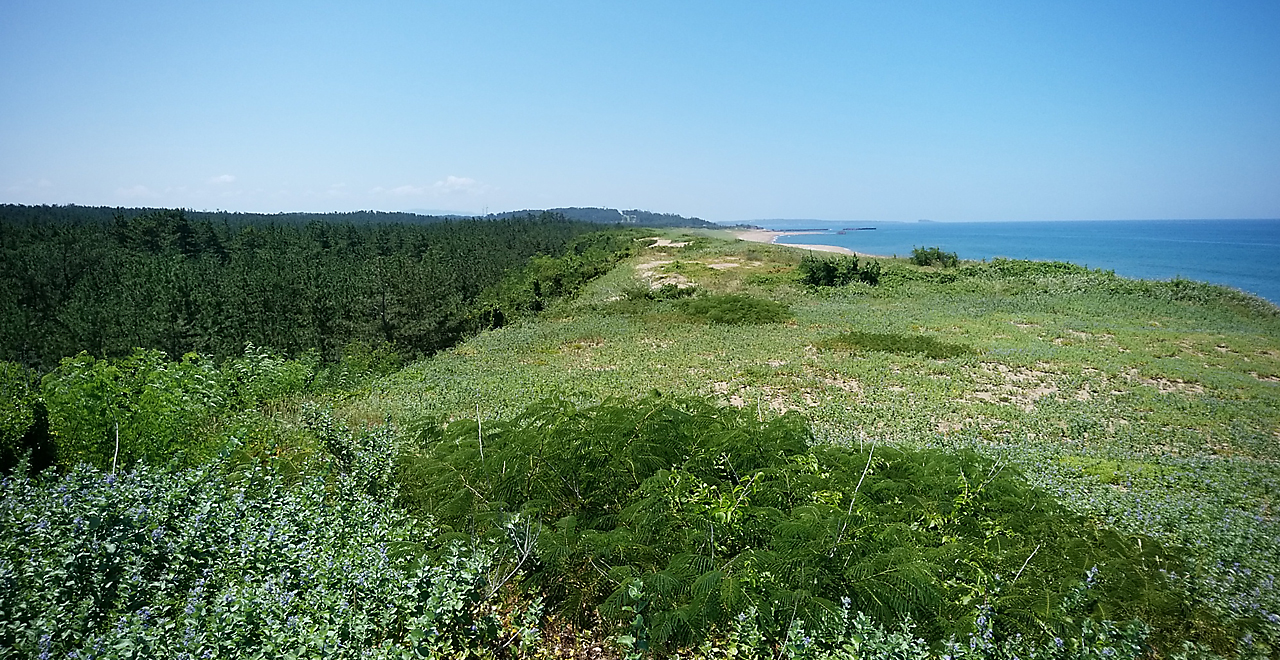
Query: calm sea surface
{"x": 1244, "y": 254}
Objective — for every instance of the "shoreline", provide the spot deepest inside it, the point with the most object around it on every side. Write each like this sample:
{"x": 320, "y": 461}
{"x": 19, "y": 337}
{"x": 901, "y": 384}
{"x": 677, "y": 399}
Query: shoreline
{"x": 771, "y": 237}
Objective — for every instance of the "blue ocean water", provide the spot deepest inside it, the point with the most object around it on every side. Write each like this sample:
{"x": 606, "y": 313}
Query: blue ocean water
{"x": 1244, "y": 254}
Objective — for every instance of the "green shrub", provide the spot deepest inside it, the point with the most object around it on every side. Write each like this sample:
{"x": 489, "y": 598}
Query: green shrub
{"x": 896, "y": 343}
{"x": 191, "y": 564}
{"x": 1022, "y": 268}
{"x": 24, "y": 426}
{"x": 117, "y": 411}
{"x": 733, "y": 309}
{"x": 837, "y": 271}
{"x": 361, "y": 363}
{"x": 933, "y": 256}
{"x": 870, "y": 273}
{"x": 259, "y": 375}
{"x": 668, "y": 291}
{"x": 689, "y": 514}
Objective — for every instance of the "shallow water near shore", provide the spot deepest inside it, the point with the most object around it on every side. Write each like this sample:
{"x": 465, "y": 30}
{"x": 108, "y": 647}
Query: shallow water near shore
{"x": 1244, "y": 254}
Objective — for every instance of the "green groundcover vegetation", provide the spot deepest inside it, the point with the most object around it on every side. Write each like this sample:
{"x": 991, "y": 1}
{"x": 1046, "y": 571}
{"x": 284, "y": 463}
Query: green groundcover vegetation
{"x": 993, "y": 460}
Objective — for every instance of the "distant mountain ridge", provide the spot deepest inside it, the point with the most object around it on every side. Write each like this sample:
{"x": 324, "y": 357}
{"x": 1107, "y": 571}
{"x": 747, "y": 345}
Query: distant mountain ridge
{"x": 611, "y": 216}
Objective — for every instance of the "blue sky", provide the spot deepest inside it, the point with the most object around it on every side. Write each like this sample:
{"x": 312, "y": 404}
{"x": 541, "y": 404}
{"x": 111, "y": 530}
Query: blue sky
{"x": 723, "y": 110}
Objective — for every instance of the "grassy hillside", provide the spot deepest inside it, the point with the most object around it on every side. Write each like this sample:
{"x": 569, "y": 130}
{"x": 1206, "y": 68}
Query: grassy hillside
{"x": 695, "y": 456}
{"x": 1149, "y": 407}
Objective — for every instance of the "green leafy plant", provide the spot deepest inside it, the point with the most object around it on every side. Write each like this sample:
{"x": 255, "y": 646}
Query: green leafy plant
{"x": 24, "y": 424}
{"x": 114, "y": 412}
{"x": 671, "y": 516}
{"x": 837, "y": 271}
{"x": 896, "y": 343}
{"x": 933, "y": 256}
{"x": 670, "y": 291}
{"x": 733, "y": 309}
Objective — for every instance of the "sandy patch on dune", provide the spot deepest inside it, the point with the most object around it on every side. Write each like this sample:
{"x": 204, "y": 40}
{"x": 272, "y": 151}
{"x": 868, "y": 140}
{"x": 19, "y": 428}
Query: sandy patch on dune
{"x": 1016, "y": 386}
{"x": 655, "y": 280}
{"x": 1166, "y": 385}
{"x": 663, "y": 242}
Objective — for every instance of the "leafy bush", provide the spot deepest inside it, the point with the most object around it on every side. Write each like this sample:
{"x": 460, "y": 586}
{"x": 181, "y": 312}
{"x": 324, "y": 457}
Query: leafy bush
{"x": 933, "y": 256}
{"x": 162, "y": 410}
{"x": 837, "y": 271}
{"x": 689, "y": 514}
{"x": 1024, "y": 269}
{"x": 671, "y": 291}
{"x": 118, "y": 411}
{"x": 239, "y": 558}
{"x": 24, "y": 425}
{"x": 850, "y": 635}
{"x": 16, "y": 395}
{"x": 733, "y": 309}
{"x": 896, "y": 343}
{"x": 182, "y": 564}
{"x": 668, "y": 291}
{"x": 361, "y": 363}
{"x": 260, "y": 374}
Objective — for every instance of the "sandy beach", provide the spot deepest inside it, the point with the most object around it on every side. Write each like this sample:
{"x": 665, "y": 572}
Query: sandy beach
{"x": 769, "y": 236}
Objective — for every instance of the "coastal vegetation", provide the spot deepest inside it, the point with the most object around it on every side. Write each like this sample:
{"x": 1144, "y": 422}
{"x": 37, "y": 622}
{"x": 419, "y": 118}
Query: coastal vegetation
{"x": 651, "y": 448}
{"x": 837, "y": 271}
{"x": 934, "y": 256}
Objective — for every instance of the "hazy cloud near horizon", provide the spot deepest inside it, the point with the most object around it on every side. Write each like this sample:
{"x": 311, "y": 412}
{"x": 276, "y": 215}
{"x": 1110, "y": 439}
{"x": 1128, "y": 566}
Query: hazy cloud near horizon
{"x": 726, "y": 111}
{"x": 447, "y": 187}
